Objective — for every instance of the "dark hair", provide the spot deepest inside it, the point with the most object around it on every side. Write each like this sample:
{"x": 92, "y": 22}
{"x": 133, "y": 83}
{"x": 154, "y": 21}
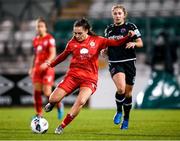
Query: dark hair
{"x": 85, "y": 24}
{"x": 41, "y": 19}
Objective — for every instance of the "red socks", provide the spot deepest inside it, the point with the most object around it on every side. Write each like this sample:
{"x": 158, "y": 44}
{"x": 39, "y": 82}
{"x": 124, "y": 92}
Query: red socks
{"x": 38, "y": 102}
{"x": 67, "y": 120}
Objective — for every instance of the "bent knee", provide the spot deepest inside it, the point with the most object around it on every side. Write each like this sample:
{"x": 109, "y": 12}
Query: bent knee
{"x": 47, "y": 92}
{"x": 53, "y": 99}
{"x": 128, "y": 94}
{"x": 121, "y": 90}
{"x": 82, "y": 102}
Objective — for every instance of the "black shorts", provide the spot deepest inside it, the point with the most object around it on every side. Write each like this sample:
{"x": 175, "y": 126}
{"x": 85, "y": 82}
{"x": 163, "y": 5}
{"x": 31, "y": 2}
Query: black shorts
{"x": 128, "y": 68}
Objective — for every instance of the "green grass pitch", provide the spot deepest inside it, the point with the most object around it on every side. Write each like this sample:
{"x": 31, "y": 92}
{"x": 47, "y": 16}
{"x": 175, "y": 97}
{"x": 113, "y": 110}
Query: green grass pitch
{"x": 93, "y": 125}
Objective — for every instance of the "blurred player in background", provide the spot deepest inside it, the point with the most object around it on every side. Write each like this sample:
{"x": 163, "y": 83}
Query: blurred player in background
{"x": 122, "y": 62}
{"x": 43, "y": 79}
{"x": 84, "y": 47}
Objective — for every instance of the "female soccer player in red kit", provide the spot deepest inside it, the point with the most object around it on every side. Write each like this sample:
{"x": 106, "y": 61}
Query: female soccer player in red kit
{"x": 43, "y": 79}
{"x": 84, "y": 47}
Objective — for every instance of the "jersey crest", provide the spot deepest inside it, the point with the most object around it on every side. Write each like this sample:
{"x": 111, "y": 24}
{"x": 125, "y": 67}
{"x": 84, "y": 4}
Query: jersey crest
{"x": 123, "y": 30}
{"x": 92, "y": 44}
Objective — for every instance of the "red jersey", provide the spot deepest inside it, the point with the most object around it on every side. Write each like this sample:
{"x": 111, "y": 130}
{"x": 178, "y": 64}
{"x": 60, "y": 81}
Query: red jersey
{"x": 41, "y": 47}
{"x": 84, "y": 62}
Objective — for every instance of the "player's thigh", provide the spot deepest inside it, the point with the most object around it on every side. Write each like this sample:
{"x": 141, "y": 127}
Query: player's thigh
{"x": 57, "y": 95}
{"x": 36, "y": 75}
{"x": 48, "y": 77}
{"x": 128, "y": 91}
{"x": 37, "y": 86}
{"x": 88, "y": 84}
{"x": 83, "y": 96}
{"x": 47, "y": 89}
{"x": 69, "y": 84}
{"x": 120, "y": 81}
{"x": 130, "y": 71}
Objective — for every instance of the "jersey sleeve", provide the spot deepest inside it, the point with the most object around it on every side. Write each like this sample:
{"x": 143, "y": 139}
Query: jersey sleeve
{"x": 52, "y": 42}
{"x": 61, "y": 57}
{"x": 106, "y": 32}
{"x": 135, "y": 29}
{"x": 105, "y": 42}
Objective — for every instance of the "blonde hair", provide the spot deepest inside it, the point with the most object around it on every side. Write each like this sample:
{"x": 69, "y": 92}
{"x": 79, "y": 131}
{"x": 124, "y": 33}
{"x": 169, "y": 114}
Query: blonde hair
{"x": 120, "y": 7}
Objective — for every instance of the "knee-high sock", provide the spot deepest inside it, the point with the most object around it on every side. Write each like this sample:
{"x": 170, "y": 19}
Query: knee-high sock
{"x": 127, "y": 105}
{"x": 38, "y": 102}
{"x": 67, "y": 120}
{"x": 119, "y": 98}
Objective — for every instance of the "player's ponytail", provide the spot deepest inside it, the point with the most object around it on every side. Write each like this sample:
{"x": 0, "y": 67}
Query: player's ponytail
{"x": 85, "y": 24}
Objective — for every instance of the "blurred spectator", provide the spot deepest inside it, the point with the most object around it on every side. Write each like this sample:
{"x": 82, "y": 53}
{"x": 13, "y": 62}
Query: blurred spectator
{"x": 57, "y": 5}
{"x": 164, "y": 53}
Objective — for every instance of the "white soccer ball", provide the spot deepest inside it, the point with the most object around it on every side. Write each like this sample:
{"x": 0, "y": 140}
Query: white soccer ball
{"x": 39, "y": 125}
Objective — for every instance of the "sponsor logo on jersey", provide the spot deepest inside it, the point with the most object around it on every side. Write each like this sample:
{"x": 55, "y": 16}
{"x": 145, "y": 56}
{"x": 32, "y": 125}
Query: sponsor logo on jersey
{"x": 45, "y": 43}
{"x": 115, "y": 37}
{"x": 39, "y": 48}
{"x": 84, "y": 51}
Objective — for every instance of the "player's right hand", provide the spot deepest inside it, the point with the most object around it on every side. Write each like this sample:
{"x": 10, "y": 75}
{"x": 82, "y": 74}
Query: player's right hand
{"x": 104, "y": 53}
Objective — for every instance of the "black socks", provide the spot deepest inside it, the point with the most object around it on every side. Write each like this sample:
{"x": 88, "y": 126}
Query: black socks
{"x": 127, "y": 105}
{"x": 119, "y": 98}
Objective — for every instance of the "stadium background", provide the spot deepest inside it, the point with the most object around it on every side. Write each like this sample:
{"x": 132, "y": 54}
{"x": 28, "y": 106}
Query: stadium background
{"x": 17, "y": 28}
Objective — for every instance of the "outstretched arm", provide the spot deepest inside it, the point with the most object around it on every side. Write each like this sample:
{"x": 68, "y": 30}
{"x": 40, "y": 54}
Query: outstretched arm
{"x": 112, "y": 42}
{"x": 61, "y": 57}
{"x": 137, "y": 43}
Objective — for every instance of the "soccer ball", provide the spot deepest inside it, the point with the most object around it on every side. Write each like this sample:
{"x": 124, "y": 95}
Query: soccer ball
{"x": 39, "y": 125}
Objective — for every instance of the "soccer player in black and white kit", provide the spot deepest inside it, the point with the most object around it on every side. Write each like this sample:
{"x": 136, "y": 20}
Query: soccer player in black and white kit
{"x": 122, "y": 63}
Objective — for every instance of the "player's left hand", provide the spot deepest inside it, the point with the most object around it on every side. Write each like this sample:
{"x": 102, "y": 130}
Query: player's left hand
{"x": 130, "y": 45}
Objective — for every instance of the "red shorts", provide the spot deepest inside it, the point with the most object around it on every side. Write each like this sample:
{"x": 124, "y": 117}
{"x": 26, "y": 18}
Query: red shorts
{"x": 44, "y": 77}
{"x": 70, "y": 83}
